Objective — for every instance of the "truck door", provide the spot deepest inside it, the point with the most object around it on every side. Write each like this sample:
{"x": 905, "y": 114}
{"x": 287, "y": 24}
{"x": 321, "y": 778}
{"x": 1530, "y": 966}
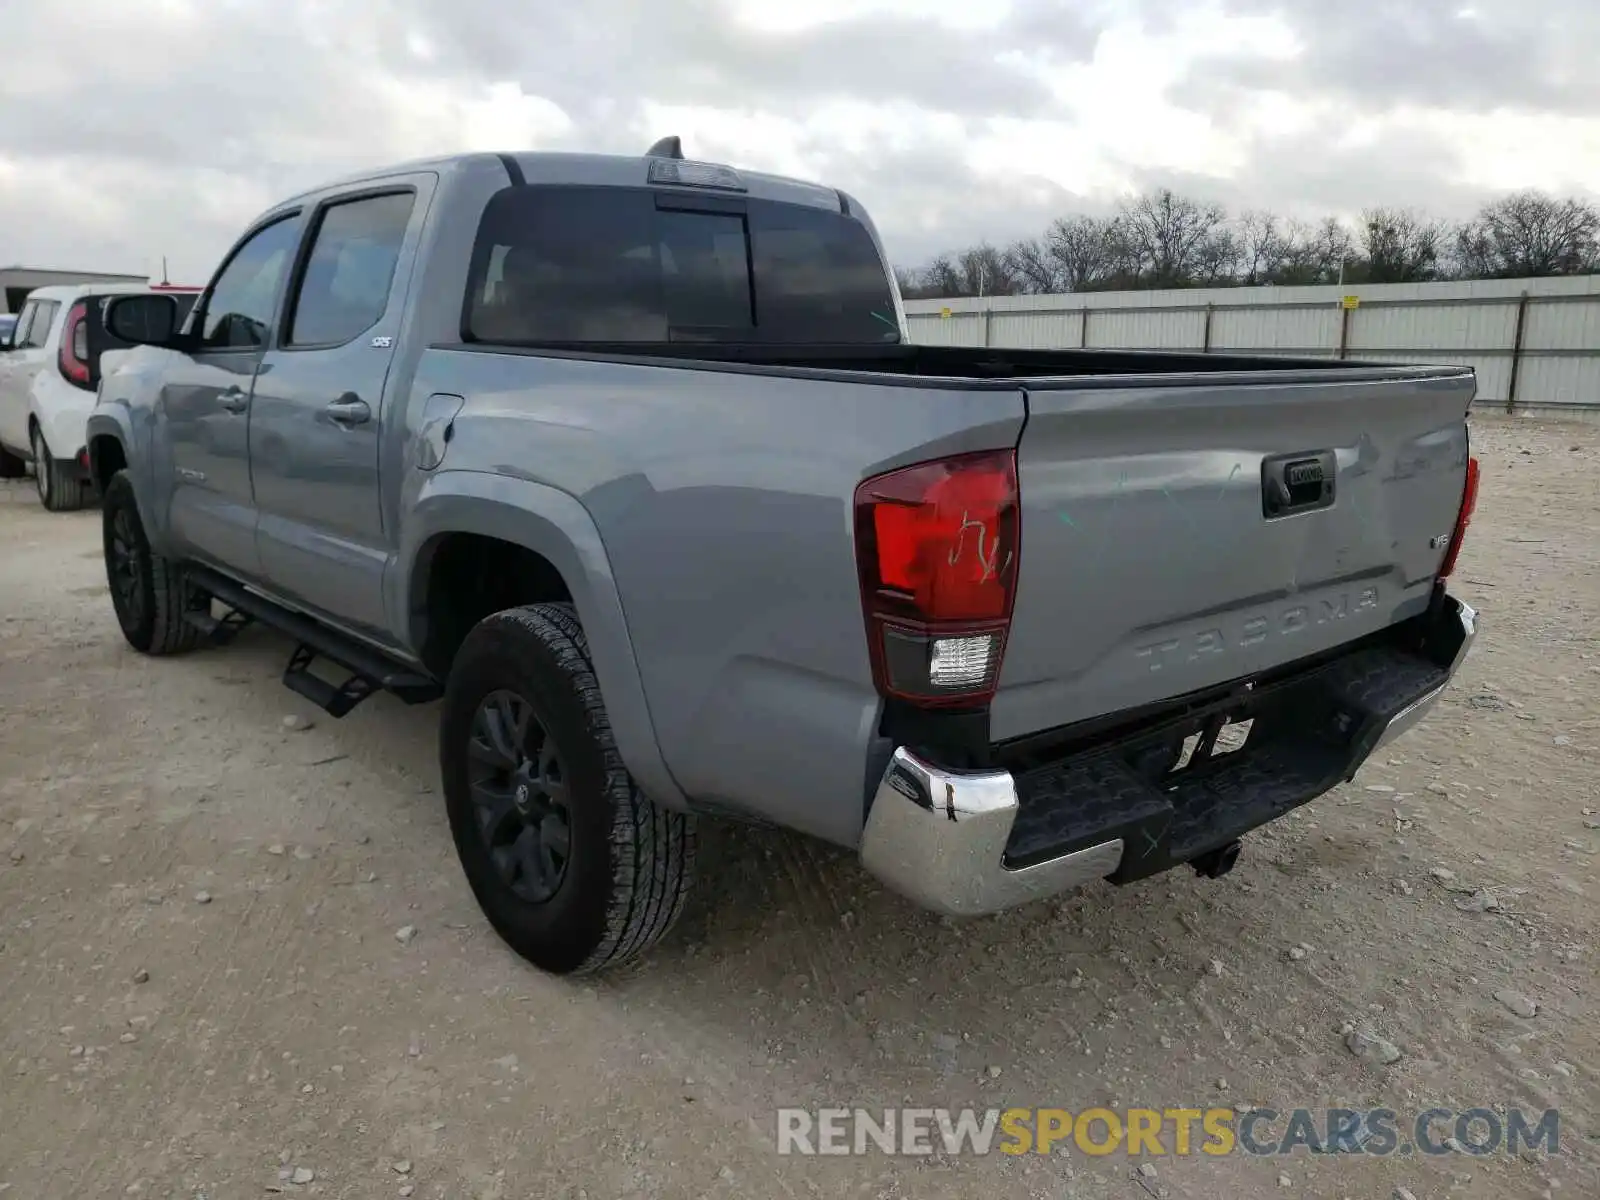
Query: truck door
{"x": 318, "y": 408}
{"x": 205, "y": 401}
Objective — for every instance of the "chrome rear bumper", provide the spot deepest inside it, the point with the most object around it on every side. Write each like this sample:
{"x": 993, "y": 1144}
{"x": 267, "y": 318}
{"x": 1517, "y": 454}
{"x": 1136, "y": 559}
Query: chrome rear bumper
{"x": 1411, "y": 714}
{"x": 939, "y": 837}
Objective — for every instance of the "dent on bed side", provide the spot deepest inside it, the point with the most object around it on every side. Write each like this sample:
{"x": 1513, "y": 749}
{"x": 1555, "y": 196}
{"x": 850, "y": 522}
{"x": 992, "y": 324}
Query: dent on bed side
{"x": 556, "y": 526}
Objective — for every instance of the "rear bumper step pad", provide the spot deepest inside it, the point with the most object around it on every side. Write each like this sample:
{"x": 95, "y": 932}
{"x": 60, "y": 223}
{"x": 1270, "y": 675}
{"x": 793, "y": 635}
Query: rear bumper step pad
{"x": 1306, "y": 735}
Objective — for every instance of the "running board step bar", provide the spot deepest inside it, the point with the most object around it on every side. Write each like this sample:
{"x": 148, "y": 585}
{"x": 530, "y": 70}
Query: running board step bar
{"x": 369, "y": 669}
{"x": 219, "y": 631}
{"x": 335, "y": 700}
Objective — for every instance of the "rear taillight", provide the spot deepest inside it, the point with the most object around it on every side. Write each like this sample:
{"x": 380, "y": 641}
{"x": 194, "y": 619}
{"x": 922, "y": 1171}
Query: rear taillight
{"x": 1469, "y": 501}
{"x": 74, "y": 352}
{"x": 936, "y": 546}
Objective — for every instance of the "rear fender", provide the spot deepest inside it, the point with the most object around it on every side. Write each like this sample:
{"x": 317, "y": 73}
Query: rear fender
{"x": 553, "y": 524}
{"x": 61, "y": 411}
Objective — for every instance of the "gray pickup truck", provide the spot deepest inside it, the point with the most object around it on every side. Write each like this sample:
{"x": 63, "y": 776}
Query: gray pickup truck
{"x": 631, "y": 462}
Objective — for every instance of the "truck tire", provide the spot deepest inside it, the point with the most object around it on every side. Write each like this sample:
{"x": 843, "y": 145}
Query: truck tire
{"x": 59, "y": 489}
{"x": 574, "y": 867}
{"x": 12, "y": 466}
{"x": 150, "y": 593}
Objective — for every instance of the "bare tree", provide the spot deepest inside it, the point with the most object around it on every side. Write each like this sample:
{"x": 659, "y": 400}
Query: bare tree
{"x": 1529, "y": 234}
{"x": 1400, "y": 245}
{"x": 909, "y": 281}
{"x": 942, "y": 277}
{"x": 980, "y": 270}
{"x": 987, "y": 271}
{"x": 1036, "y": 268}
{"x": 1216, "y": 259}
{"x": 1088, "y": 252}
{"x": 1165, "y": 240}
{"x": 1174, "y": 239}
{"x": 1315, "y": 253}
{"x": 1263, "y": 246}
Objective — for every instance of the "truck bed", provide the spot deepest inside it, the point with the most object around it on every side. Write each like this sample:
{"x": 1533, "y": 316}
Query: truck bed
{"x": 955, "y": 365}
{"x": 721, "y": 486}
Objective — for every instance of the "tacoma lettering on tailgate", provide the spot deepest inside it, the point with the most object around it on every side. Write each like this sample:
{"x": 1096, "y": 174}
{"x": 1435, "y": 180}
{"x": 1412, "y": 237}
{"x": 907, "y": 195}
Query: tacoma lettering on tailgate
{"x": 1246, "y": 629}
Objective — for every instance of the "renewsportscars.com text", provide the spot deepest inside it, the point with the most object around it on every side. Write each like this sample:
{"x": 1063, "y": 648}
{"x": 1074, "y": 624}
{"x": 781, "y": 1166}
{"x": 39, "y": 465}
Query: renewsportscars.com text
{"x": 1166, "y": 1131}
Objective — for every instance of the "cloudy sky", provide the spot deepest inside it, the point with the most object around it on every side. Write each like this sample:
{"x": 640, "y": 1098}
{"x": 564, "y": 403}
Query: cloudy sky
{"x": 133, "y": 131}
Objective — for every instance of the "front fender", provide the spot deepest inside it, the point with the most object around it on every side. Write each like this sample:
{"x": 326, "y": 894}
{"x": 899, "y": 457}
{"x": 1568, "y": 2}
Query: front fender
{"x": 553, "y": 524}
{"x": 126, "y": 410}
{"x": 105, "y": 422}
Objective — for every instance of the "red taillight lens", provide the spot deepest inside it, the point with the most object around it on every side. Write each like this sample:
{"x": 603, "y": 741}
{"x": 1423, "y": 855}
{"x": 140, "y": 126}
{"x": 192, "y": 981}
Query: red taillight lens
{"x": 936, "y": 547}
{"x": 1469, "y": 501}
{"x": 74, "y": 352}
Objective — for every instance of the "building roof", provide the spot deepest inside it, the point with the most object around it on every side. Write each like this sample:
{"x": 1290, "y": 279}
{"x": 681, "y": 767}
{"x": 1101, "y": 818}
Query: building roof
{"x": 22, "y": 270}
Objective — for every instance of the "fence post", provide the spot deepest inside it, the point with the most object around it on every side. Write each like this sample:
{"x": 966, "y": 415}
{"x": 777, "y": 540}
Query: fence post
{"x": 1205, "y": 338}
{"x": 1083, "y": 328}
{"x": 1344, "y": 328}
{"x": 988, "y": 312}
{"x": 1516, "y": 352}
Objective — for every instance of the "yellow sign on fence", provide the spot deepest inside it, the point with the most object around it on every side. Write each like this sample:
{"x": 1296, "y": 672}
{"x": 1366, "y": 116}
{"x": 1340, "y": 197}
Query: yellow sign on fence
{"x": 1352, "y": 301}
{"x": 944, "y": 312}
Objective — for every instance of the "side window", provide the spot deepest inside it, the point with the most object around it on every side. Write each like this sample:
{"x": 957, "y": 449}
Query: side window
{"x": 819, "y": 277}
{"x": 348, "y": 274}
{"x": 19, "y": 335}
{"x": 38, "y": 331}
{"x": 238, "y": 312}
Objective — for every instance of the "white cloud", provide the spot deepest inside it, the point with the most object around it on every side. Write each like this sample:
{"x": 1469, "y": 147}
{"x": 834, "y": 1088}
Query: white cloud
{"x": 157, "y": 129}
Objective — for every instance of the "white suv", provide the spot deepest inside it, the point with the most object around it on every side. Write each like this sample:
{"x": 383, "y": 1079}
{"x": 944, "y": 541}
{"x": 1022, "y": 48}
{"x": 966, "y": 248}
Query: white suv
{"x": 48, "y": 379}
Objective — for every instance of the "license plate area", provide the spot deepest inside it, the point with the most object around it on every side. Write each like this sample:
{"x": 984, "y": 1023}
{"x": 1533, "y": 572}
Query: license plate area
{"x": 1221, "y": 736}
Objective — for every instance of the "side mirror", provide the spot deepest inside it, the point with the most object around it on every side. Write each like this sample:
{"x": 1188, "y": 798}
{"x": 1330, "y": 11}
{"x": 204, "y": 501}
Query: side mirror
{"x": 143, "y": 320}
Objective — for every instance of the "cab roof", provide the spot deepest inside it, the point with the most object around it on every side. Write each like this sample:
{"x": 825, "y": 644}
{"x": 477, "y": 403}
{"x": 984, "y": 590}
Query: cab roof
{"x": 566, "y": 167}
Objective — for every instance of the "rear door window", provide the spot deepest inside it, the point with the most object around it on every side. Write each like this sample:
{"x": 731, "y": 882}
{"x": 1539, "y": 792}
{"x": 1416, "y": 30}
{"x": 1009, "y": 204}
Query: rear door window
{"x": 24, "y": 319}
{"x": 575, "y": 265}
{"x": 38, "y": 330}
{"x": 344, "y": 288}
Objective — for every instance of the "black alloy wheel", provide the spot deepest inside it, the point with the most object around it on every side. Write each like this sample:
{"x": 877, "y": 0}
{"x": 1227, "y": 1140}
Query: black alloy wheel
{"x": 519, "y": 794}
{"x": 574, "y": 866}
{"x": 125, "y": 568}
{"x": 150, "y": 593}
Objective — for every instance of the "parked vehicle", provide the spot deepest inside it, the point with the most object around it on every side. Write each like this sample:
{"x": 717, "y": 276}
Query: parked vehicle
{"x": 8, "y": 325}
{"x": 48, "y": 382}
{"x": 629, "y": 460}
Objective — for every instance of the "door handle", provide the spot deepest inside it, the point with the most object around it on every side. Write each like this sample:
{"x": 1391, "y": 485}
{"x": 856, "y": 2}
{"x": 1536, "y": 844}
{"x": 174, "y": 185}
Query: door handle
{"x": 349, "y": 409}
{"x": 233, "y": 400}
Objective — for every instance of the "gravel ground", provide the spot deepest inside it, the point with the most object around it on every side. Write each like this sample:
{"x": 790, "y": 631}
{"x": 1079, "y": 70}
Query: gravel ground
{"x": 203, "y": 991}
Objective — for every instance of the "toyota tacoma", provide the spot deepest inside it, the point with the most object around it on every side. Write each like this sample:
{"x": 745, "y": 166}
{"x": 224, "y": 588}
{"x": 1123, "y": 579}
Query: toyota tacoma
{"x": 630, "y": 463}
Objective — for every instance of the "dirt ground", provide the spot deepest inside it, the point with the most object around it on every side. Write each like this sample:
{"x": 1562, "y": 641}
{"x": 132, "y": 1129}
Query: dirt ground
{"x": 202, "y": 988}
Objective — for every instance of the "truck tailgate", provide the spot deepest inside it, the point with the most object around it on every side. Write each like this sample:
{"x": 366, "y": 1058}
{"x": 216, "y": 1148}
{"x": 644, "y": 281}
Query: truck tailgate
{"x": 1176, "y": 536}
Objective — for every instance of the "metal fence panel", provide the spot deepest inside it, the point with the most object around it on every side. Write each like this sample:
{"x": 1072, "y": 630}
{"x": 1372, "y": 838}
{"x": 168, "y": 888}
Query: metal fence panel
{"x": 1533, "y": 342}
